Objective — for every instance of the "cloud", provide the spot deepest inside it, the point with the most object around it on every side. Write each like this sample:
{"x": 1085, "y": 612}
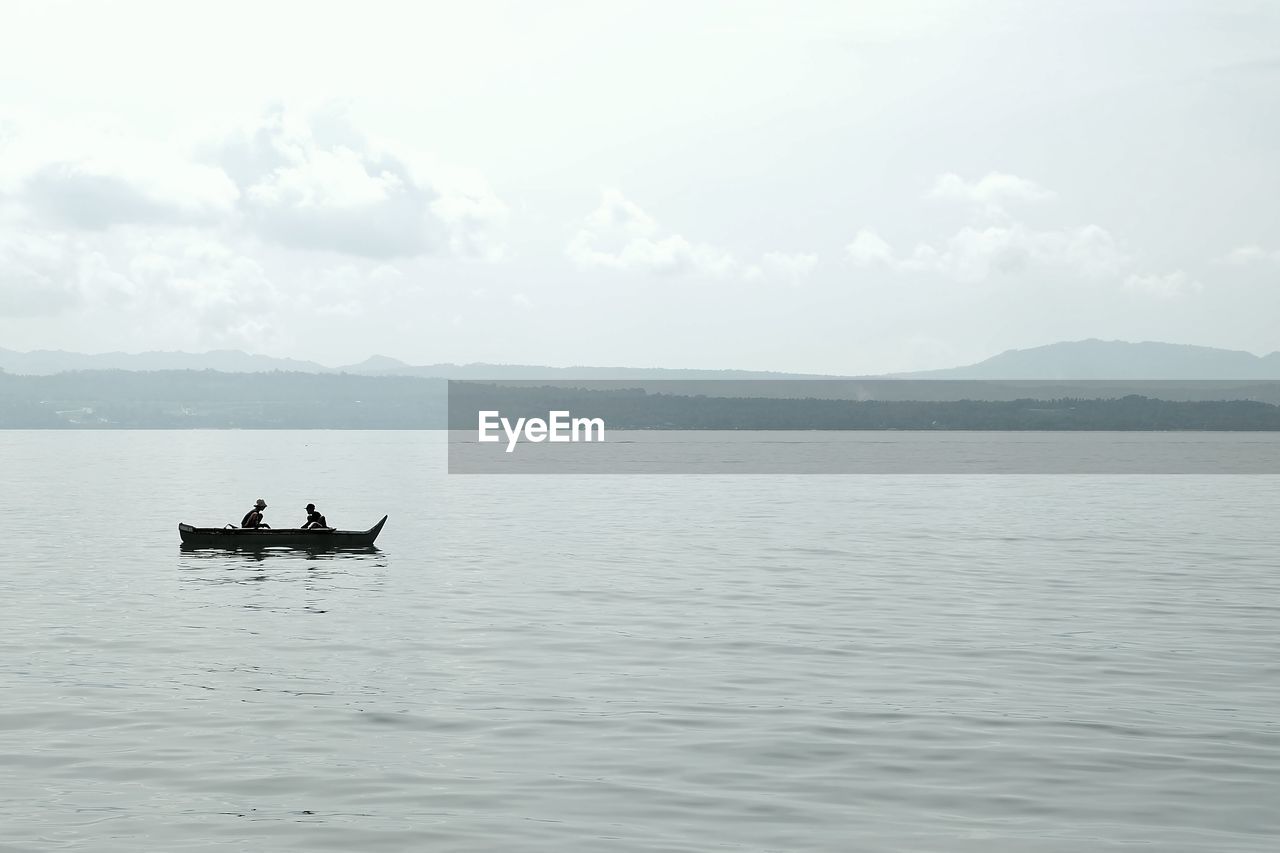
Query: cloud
{"x": 223, "y": 296}
{"x": 975, "y": 254}
{"x": 94, "y": 178}
{"x": 869, "y": 249}
{"x": 1249, "y": 255}
{"x": 178, "y": 279}
{"x": 94, "y": 194}
{"x": 45, "y": 274}
{"x": 317, "y": 182}
{"x": 789, "y": 267}
{"x": 620, "y": 235}
{"x": 984, "y": 250}
{"x": 312, "y": 182}
{"x": 1169, "y": 286}
{"x": 990, "y": 193}
{"x": 201, "y": 273}
{"x": 353, "y": 288}
{"x": 93, "y": 219}
{"x": 37, "y": 277}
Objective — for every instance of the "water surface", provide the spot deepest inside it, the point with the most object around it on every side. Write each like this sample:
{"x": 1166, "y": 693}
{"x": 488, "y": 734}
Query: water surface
{"x": 768, "y": 663}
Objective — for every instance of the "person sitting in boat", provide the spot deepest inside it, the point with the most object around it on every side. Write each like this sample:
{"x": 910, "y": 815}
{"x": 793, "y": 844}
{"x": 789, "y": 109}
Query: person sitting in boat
{"x": 314, "y": 519}
{"x": 253, "y": 518}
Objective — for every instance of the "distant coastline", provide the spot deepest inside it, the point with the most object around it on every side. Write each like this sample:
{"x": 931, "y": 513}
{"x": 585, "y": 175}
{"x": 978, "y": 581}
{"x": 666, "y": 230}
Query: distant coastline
{"x": 208, "y": 399}
{"x": 1090, "y": 359}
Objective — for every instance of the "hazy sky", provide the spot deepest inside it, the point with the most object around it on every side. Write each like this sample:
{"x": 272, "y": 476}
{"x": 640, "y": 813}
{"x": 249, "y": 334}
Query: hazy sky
{"x": 839, "y": 187}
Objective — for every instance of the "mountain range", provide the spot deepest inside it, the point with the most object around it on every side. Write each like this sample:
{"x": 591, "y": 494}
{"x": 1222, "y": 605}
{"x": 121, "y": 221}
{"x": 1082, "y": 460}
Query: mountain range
{"x": 46, "y": 362}
{"x": 1095, "y": 359}
{"x": 1088, "y": 359}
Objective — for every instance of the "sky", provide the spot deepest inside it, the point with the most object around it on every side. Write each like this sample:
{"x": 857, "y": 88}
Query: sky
{"x": 847, "y": 187}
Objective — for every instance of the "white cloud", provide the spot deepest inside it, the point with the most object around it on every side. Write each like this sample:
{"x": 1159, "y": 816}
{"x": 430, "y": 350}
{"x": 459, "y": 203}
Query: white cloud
{"x": 385, "y": 276}
{"x": 93, "y": 177}
{"x": 179, "y": 278}
{"x": 318, "y": 182}
{"x": 1248, "y": 255}
{"x": 1169, "y": 286}
{"x": 472, "y": 215}
{"x": 96, "y": 193}
{"x": 985, "y": 250}
{"x": 791, "y": 267}
{"x": 620, "y": 235}
{"x": 304, "y": 181}
{"x": 43, "y": 274}
{"x": 869, "y": 248}
{"x": 37, "y": 276}
{"x": 990, "y": 193}
{"x": 353, "y": 288}
{"x": 975, "y": 254}
{"x": 166, "y": 239}
{"x": 226, "y": 295}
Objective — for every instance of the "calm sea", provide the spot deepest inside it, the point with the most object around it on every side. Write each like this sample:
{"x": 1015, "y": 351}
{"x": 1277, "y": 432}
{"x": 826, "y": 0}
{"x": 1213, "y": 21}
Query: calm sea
{"x": 645, "y": 663}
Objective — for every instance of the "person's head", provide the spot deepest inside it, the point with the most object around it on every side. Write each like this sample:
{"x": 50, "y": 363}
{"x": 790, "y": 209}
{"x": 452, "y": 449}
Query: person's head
{"x": 311, "y": 507}
{"x": 260, "y": 505}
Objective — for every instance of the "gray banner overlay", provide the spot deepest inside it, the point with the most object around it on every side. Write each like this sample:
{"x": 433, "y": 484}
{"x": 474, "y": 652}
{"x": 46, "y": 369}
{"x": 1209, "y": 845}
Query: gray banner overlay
{"x": 864, "y": 427}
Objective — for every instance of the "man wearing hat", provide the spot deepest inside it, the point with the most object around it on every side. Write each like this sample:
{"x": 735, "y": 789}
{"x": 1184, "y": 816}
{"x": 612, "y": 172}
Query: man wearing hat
{"x": 314, "y": 518}
{"x": 253, "y": 518}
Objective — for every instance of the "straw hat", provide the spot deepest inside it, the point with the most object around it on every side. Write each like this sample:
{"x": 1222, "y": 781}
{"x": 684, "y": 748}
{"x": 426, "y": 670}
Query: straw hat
{"x": 261, "y": 504}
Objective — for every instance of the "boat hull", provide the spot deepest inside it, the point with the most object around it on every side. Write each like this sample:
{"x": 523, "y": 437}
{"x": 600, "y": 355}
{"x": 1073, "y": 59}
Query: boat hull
{"x": 242, "y": 539}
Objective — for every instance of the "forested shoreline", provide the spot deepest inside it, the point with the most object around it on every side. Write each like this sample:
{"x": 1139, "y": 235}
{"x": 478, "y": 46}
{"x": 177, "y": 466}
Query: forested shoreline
{"x": 213, "y": 400}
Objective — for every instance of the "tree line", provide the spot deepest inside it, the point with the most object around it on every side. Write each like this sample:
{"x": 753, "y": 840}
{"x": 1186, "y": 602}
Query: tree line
{"x": 179, "y": 399}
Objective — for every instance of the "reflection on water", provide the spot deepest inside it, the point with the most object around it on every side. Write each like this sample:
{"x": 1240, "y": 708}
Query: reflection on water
{"x": 315, "y": 573}
{"x": 265, "y": 554}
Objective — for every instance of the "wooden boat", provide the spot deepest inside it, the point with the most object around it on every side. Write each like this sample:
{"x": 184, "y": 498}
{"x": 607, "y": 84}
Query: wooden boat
{"x": 322, "y": 539}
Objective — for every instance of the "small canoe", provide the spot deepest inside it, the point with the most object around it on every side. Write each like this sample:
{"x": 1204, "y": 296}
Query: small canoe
{"x": 236, "y": 537}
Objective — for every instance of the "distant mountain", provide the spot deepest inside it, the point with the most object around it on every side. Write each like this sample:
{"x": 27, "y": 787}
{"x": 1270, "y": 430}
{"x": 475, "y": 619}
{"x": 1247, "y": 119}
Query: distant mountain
{"x": 376, "y": 365}
{"x": 1095, "y": 359}
{"x": 380, "y": 366}
{"x": 1090, "y": 359}
{"x": 46, "y": 362}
